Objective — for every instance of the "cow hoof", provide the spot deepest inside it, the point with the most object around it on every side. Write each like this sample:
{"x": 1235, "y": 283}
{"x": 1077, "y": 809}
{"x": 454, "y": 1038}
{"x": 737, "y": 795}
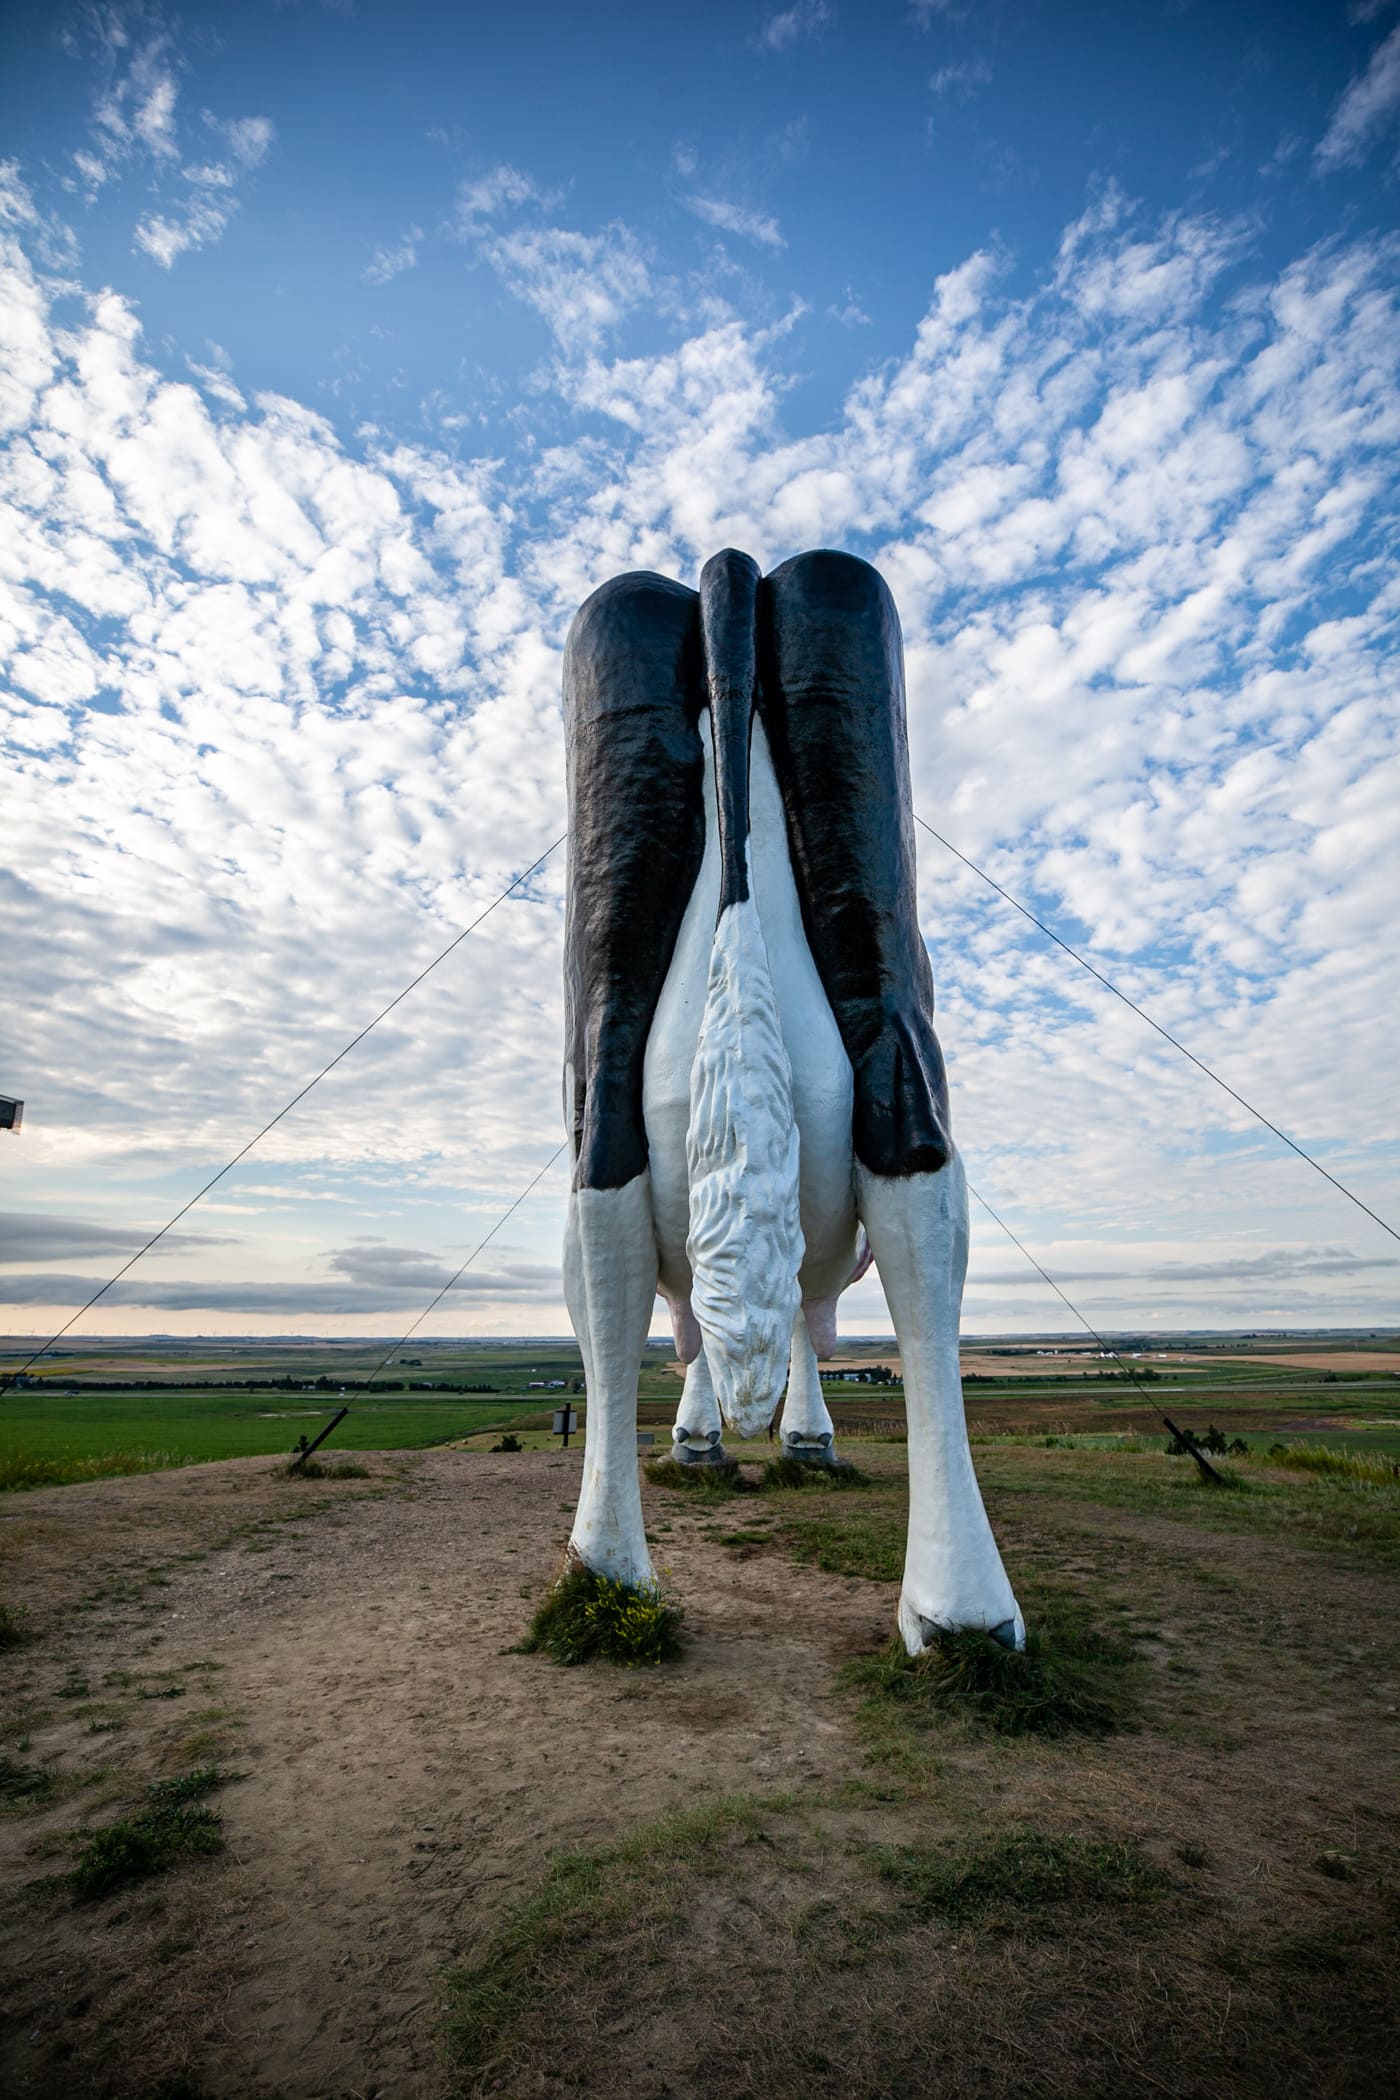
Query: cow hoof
{"x": 1007, "y": 1633}
{"x": 815, "y": 1451}
{"x": 699, "y": 1447}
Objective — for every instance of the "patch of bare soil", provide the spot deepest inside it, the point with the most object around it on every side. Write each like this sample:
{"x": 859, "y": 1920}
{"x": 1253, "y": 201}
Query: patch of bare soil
{"x": 403, "y": 1769}
{"x": 406, "y": 1780}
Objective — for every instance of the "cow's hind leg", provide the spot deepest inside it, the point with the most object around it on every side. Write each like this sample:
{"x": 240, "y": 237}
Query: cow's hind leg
{"x": 832, "y": 699}
{"x": 632, "y": 694}
{"x": 953, "y": 1576}
{"x": 610, "y": 1287}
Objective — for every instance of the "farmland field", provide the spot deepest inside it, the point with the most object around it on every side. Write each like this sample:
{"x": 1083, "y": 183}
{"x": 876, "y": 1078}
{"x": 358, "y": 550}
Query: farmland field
{"x": 141, "y": 1404}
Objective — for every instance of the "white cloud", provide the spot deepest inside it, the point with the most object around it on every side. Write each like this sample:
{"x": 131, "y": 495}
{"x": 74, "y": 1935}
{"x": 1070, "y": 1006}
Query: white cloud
{"x": 851, "y": 314}
{"x": 492, "y": 193}
{"x": 958, "y": 83}
{"x": 282, "y": 712}
{"x": 136, "y": 127}
{"x": 583, "y": 285}
{"x": 736, "y": 218}
{"x": 793, "y": 25}
{"x": 392, "y": 262}
{"x": 250, "y": 138}
{"x": 1364, "y": 109}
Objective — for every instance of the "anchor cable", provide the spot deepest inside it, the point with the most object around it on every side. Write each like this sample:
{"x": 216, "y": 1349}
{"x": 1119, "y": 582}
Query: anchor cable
{"x": 1104, "y": 1345}
{"x": 1165, "y": 1033}
{"x": 9, "y": 1377}
{"x": 505, "y": 1214}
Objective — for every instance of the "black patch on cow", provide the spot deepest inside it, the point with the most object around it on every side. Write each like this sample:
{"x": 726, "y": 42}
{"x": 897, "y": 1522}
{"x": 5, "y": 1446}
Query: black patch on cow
{"x": 644, "y": 656}
{"x": 633, "y": 690}
{"x": 831, "y": 698}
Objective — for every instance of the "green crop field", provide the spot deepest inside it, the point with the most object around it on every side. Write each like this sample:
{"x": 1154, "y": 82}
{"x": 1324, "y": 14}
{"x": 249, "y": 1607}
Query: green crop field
{"x": 188, "y": 1424}
{"x": 135, "y": 1405}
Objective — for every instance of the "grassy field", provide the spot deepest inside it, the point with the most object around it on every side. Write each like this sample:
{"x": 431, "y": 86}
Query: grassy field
{"x": 134, "y": 1406}
{"x": 91, "y": 1433}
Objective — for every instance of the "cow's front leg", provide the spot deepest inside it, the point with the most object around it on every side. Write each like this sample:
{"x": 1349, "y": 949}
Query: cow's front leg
{"x": 953, "y": 1576}
{"x": 807, "y": 1431}
{"x": 609, "y": 1287}
{"x": 697, "y": 1436}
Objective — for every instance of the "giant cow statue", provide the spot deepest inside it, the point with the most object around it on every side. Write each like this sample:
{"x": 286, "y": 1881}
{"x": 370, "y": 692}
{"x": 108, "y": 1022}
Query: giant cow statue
{"x": 755, "y": 1093}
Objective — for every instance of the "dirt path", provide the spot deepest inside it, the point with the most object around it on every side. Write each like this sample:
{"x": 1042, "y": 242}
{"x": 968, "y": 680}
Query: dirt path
{"x": 345, "y": 1645}
{"x": 404, "y": 1769}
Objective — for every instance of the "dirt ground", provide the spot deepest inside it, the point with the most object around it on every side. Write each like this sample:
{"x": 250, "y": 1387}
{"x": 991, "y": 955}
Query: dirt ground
{"x": 404, "y": 1770}
{"x": 345, "y": 1645}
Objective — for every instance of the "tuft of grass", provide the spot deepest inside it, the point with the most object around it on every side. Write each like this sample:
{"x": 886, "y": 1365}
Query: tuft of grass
{"x": 849, "y": 1540}
{"x": 571, "y": 1925}
{"x": 190, "y": 1786}
{"x": 32, "y": 1784}
{"x": 1021, "y": 1872}
{"x": 174, "y": 1825}
{"x": 33, "y": 1469}
{"x": 788, "y": 1472}
{"x": 316, "y": 1469}
{"x": 704, "y": 1480}
{"x": 586, "y": 1617}
{"x": 1363, "y": 1468}
{"x": 13, "y": 1630}
{"x": 1067, "y": 1680}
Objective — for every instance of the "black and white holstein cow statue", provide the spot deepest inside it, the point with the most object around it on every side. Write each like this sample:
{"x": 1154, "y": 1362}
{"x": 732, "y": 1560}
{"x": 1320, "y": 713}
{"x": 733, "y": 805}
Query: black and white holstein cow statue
{"x": 755, "y": 1092}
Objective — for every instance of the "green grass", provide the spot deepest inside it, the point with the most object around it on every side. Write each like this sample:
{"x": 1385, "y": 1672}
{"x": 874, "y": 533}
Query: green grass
{"x": 174, "y": 1825}
{"x": 1329, "y": 1510}
{"x": 698, "y": 1480}
{"x": 1022, "y": 1872}
{"x": 588, "y": 1618}
{"x": 857, "y": 1539}
{"x": 13, "y": 1629}
{"x": 786, "y": 1472}
{"x": 52, "y": 1438}
{"x": 1069, "y": 1679}
{"x": 567, "y": 1930}
{"x": 30, "y": 1784}
{"x": 31, "y": 1469}
{"x": 1361, "y": 1469}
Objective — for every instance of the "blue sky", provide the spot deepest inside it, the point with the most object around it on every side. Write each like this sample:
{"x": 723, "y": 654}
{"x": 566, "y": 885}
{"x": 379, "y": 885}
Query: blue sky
{"x": 348, "y": 347}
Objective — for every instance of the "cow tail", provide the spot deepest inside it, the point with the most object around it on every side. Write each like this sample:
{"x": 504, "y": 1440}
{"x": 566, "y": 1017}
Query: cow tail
{"x": 745, "y": 1240}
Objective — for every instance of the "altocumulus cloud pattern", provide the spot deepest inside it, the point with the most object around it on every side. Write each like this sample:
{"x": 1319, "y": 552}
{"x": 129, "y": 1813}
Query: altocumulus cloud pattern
{"x": 282, "y": 705}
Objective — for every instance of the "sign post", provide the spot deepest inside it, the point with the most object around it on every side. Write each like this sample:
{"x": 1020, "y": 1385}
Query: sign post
{"x": 565, "y": 1422}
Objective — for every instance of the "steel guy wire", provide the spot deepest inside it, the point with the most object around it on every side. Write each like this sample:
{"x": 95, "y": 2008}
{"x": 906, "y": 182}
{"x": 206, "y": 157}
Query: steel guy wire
{"x": 258, "y": 1136}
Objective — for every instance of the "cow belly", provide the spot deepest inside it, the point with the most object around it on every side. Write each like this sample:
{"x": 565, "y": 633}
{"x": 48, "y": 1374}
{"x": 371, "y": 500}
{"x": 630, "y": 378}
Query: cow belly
{"x": 821, "y": 1070}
